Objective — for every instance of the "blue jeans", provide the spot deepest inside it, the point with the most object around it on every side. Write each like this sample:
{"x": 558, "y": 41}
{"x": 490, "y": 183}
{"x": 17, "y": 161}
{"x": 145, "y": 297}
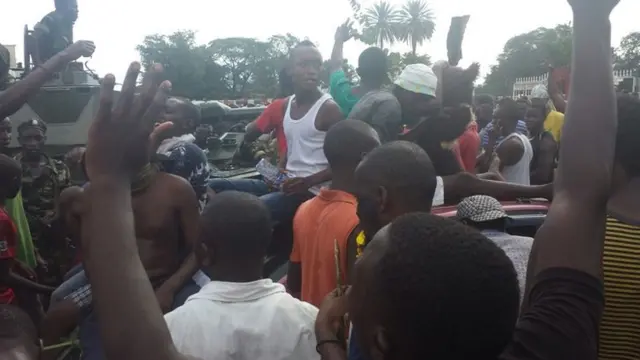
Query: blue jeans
{"x": 282, "y": 207}
{"x": 74, "y": 280}
{"x": 354, "y": 349}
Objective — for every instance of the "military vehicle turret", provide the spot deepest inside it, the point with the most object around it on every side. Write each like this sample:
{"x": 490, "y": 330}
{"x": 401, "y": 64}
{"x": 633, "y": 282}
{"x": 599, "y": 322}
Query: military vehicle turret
{"x": 67, "y": 103}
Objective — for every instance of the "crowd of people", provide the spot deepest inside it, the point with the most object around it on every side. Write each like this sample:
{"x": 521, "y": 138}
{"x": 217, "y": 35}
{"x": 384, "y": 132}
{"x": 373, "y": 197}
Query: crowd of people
{"x": 142, "y": 255}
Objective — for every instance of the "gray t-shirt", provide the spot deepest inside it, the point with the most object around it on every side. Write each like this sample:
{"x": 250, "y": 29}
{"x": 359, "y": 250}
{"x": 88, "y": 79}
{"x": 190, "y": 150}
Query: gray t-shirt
{"x": 517, "y": 249}
{"x": 381, "y": 110}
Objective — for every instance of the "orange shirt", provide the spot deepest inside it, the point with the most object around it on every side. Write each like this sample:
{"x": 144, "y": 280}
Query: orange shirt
{"x": 317, "y": 224}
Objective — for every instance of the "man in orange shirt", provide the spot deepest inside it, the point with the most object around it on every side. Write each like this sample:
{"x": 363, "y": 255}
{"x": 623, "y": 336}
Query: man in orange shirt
{"x": 329, "y": 217}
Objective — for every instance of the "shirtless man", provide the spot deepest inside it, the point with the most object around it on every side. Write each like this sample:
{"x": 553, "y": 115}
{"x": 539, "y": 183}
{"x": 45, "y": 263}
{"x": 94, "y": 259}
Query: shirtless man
{"x": 165, "y": 209}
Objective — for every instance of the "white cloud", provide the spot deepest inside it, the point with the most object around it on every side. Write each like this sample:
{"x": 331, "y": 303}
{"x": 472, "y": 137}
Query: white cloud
{"x": 117, "y": 26}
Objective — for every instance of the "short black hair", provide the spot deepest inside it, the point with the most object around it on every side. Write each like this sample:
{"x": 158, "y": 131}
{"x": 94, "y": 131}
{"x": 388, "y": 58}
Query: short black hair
{"x": 482, "y": 99}
{"x": 508, "y": 109}
{"x": 404, "y": 169}
{"x": 347, "y": 142}
{"x": 16, "y": 326}
{"x": 237, "y": 225}
{"x": 190, "y": 110}
{"x": 445, "y": 291}
{"x": 301, "y": 44}
{"x": 372, "y": 64}
{"x": 627, "y": 144}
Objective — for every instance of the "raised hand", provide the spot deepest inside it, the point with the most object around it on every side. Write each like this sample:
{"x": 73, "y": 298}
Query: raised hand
{"x": 121, "y": 135}
{"x": 345, "y": 32}
{"x": 82, "y": 48}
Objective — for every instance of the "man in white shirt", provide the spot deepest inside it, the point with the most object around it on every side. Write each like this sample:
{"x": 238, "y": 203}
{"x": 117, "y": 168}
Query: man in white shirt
{"x": 239, "y": 315}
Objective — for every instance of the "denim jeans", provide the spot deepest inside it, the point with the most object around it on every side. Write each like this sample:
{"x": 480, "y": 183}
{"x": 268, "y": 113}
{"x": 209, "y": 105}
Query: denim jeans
{"x": 282, "y": 207}
{"x": 74, "y": 279}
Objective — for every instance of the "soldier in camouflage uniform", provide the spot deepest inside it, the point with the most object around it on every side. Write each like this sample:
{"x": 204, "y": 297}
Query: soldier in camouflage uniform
{"x": 43, "y": 178}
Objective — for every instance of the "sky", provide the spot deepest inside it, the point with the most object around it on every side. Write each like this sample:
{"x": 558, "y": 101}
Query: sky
{"x": 117, "y": 26}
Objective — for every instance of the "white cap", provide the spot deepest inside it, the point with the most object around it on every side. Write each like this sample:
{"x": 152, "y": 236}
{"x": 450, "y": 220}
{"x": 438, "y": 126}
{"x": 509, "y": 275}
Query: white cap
{"x": 418, "y": 78}
{"x": 539, "y": 92}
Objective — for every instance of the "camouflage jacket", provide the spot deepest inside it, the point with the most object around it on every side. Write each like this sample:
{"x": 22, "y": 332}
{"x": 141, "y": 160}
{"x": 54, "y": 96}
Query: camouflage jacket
{"x": 40, "y": 190}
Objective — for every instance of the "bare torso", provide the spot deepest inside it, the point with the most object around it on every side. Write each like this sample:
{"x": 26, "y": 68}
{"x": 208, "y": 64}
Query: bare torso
{"x": 157, "y": 226}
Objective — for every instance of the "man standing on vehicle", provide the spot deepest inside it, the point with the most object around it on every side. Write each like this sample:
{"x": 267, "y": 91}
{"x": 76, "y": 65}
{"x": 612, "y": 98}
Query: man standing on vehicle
{"x": 54, "y": 32}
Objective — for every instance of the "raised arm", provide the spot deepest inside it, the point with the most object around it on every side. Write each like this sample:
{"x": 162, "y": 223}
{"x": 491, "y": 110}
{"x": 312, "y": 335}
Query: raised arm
{"x": 17, "y": 95}
{"x": 573, "y": 232}
{"x": 132, "y": 326}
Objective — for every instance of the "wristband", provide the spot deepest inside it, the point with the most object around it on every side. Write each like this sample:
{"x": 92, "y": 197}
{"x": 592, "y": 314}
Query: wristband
{"x": 328, "y": 341}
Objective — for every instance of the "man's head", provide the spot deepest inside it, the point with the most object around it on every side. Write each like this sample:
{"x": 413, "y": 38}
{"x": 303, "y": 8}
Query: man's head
{"x": 431, "y": 288}
{"x": 627, "y": 144}
{"x": 5, "y": 133}
{"x": 32, "y": 135}
{"x": 10, "y": 177}
{"x": 68, "y": 8}
{"x": 535, "y": 116}
{"x": 393, "y": 179}
{"x": 482, "y": 212}
{"x": 70, "y": 210}
{"x": 347, "y": 143}
{"x": 18, "y": 334}
{"x": 523, "y": 105}
{"x": 483, "y": 108}
{"x": 415, "y": 89}
{"x": 235, "y": 231}
{"x": 507, "y": 115}
{"x": 372, "y": 67}
{"x": 184, "y": 115}
{"x": 306, "y": 65}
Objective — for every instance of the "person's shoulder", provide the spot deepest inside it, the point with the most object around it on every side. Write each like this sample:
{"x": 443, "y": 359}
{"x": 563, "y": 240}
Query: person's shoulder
{"x": 4, "y": 217}
{"x": 299, "y": 310}
{"x": 561, "y": 319}
{"x": 171, "y": 181}
{"x": 59, "y": 164}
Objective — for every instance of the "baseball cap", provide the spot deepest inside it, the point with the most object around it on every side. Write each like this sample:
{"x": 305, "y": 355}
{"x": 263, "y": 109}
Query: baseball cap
{"x": 418, "y": 78}
{"x": 373, "y": 62}
{"x": 480, "y": 208}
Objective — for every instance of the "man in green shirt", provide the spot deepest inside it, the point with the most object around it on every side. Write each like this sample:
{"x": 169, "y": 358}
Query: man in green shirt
{"x": 372, "y": 69}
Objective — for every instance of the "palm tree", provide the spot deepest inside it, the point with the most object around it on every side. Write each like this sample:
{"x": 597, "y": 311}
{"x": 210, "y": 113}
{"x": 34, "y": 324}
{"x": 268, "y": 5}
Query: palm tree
{"x": 381, "y": 23}
{"x": 417, "y": 23}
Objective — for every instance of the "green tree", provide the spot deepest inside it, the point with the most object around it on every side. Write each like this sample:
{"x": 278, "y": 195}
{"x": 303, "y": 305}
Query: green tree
{"x": 398, "y": 61}
{"x": 417, "y": 23}
{"x": 241, "y": 58}
{"x": 380, "y": 24}
{"x": 627, "y": 55}
{"x": 188, "y": 66}
{"x": 265, "y": 82}
{"x": 529, "y": 54}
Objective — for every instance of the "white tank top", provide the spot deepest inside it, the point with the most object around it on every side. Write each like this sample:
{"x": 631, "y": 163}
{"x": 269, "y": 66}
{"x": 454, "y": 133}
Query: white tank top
{"x": 519, "y": 173}
{"x": 305, "y": 153}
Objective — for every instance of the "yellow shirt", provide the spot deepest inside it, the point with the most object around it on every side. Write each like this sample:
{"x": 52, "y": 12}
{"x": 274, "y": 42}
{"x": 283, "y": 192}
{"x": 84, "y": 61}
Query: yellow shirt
{"x": 620, "y": 324}
{"x": 553, "y": 123}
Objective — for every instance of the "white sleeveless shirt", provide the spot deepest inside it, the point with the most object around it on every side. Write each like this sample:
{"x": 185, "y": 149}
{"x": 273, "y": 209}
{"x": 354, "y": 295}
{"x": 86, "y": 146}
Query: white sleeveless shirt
{"x": 519, "y": 172}
{"x": 305, "y": 153}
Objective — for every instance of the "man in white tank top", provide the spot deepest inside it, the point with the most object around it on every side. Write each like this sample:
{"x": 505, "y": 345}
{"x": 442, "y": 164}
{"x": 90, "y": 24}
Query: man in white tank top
{"x": 514, "y": 151}
{"x": 308, "y": 115}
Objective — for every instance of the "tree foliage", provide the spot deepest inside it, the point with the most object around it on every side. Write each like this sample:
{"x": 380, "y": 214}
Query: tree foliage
{"x": 226, "y": 68}
{"x": 627, "y": 55}
{"x": 529, "y": 54}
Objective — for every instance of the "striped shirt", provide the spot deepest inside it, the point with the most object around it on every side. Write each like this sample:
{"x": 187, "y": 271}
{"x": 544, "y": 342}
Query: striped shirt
{"x": 620, "y": 325}
{"x": 521, "y": 128}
